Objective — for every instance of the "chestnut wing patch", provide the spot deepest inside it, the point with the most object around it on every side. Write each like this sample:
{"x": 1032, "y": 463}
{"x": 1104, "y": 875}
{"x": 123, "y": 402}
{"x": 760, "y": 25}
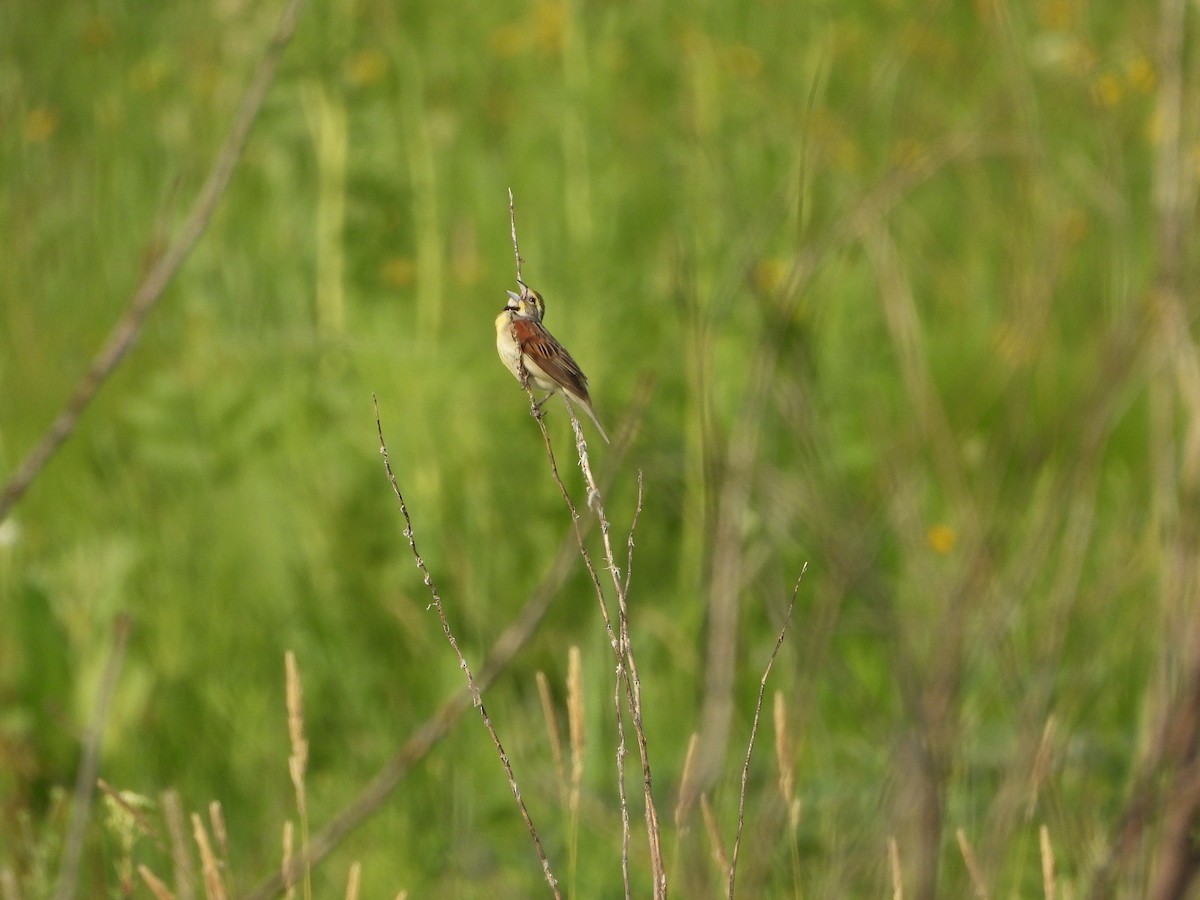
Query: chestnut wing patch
{"x": 549, "y": 355}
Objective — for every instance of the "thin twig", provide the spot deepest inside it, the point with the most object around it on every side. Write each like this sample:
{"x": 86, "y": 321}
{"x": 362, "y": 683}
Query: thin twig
{"x": 894, "y": 865}
{"x": 623, "y": 800}
{"x": 619, "y": 640}
{"x": 476, "y": 695}
{"x": 181, "y": 857}
{"x": 425, "y": 737}
{"x": 762, "y": 690}
{"x": 512, "y": 221}
{"x": 298, "y": 760}
{"x": 85, "y": 779}
{"x": 972, "y": 864}
{"x": 1048, "y": 887}
{"x": 155, "y": 282}
{"x": 214, "y": 886}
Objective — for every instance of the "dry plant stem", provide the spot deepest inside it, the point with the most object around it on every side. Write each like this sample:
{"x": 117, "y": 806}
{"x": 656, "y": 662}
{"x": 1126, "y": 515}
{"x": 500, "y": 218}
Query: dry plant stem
{"x": 560, "y": 771}
{"x": 578, "y": 740}
{"x": 214, "y": 888}
{"x": 1048, "y": 886}
{"x": 621, "y": 751}
{"x": 716, "y": 845}
{"x": 286, "y": 866}
{"x": 298, "y": 760}
{"x": 625, "y": 655}
{"x": 619, "y": 640}
{"x": 154, "y": 884}
{"x": 85, "y": 780}
{"x": 897, "y": 872}
{"x": 181, "y": 857}
{"x": 622, "y": 800}
{"x": 476, "y": 697}
{"x": 514, "y": 637}
{"x": 614, "y": 642}
{"x": 762, "y": 690}
{"x": 217, "y": 819}
{"x": 512, "y": 221}
{"x": 972, "y": 864}
{"x": 353, "y": 881}
{"x": 151, "y": 289}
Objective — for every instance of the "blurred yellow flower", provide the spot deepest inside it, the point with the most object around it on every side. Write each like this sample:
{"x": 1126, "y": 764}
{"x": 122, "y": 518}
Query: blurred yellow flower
{"x": 1108, "y": 89}
{"x": 366, "y": 67}
{"x": 39, "y": 125}
{"x": 1141, "y": 75}
{"x": 768, "y": 274}
{"x": 544, "y": 30}
{"x": 508, "y": 41}
{"x": 942, "y": 539}
{"x": 398, "y": 271}
{"x": 1059, "y": 15}
{"x": 549, "y": 18}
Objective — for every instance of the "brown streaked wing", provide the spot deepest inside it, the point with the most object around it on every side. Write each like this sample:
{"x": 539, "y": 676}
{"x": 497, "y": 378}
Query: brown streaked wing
{"x": 552, "y": 358}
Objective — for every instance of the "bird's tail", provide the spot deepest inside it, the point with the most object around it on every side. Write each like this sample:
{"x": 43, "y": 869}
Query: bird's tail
{"x": 587, "y": 408}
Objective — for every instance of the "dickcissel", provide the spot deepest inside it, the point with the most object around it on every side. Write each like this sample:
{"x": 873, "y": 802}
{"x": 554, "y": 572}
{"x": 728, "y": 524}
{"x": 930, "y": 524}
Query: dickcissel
{"x": 521, "y": 337}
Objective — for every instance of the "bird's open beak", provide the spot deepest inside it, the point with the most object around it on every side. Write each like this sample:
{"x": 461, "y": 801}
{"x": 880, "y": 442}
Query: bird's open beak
{"x": 515, "y": 296}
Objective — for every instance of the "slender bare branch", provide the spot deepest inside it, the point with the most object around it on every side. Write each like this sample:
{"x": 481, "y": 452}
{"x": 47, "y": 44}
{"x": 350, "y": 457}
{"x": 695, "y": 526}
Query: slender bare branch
{"x": 426, "y": 736}
{"x": 762, "y": 689}
{"x": 476, "y": 692}
{"x": 85, "y": 780}
{"x": 512, "y": 221}
{"x": 154, "y": 284}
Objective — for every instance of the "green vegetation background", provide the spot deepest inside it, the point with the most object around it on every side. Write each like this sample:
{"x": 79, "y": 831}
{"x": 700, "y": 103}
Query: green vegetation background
{"x": 963, "y": 433}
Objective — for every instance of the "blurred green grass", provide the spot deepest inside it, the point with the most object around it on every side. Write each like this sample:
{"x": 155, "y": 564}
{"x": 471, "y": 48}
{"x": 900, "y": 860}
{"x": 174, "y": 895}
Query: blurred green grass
{"x": 669, "y": 165}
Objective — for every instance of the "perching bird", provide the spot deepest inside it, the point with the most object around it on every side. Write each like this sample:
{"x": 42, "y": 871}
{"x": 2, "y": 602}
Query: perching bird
{"x": 521, "y": 336}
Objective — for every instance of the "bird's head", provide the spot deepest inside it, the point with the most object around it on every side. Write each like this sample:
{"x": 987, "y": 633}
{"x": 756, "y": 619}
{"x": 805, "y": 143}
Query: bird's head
{"x": 528, "y": 303}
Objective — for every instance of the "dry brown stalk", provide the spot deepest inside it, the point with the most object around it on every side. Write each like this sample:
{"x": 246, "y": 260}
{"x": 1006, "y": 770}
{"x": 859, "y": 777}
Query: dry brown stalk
{"x": 1049, "y": 888}
{"x": 217, "y": 819}
{"x": 214, "y": 888}
{"x": 784, "y": 757}
{"x": 715, "y": 845}
{"x": 577, "y": 736}
{"x": 683, "y": 807}
{"x": 154, "y": 284}
{"x": 472, "y": 685}
{"x": 972, "y": 863}
{"x": 298, "y": 759}
{"x": 897, "y": 871}
{"x": 512, "y": 639}
{"x": 181, "y": 857}
{"x": 575, "y": 727}
{"x": 287, "y": 866}
{"x": 155, "y": 884}
{"x": 627, "y": 675}
{"x": 543, "y": 686}
{"x": 762, "y": 689}
{"x": 353, "y": 880}
{"x": 85, "y": 779}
